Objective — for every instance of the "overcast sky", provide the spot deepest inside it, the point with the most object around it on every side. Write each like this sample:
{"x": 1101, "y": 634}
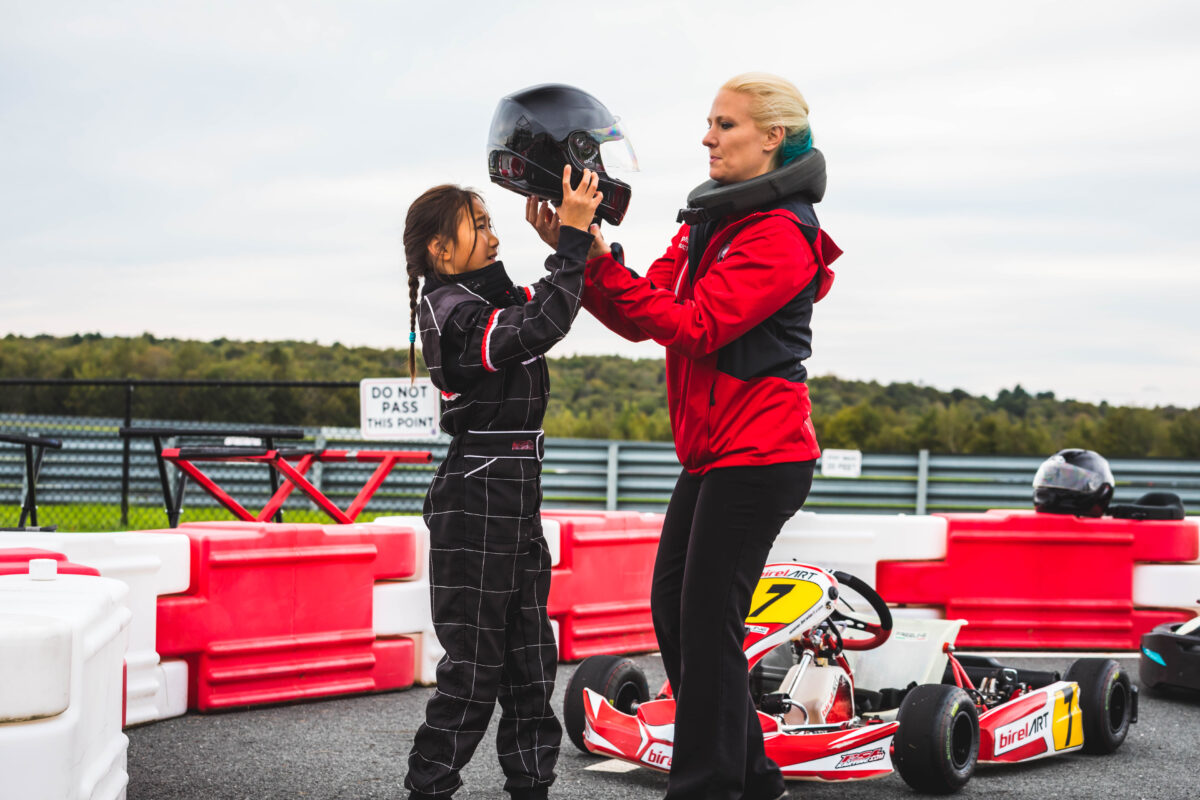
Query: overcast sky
{"x": 1014, "y": 184}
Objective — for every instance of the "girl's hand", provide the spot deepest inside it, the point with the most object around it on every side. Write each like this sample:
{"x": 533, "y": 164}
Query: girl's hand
{"x": 541, "y": 216}
{"x": 579, "y": 205}
{"x": 599, "y": 246}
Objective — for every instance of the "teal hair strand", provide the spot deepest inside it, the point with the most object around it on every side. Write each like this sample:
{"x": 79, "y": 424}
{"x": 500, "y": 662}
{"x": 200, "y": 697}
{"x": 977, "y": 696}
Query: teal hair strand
{"x": 796, "y": 145}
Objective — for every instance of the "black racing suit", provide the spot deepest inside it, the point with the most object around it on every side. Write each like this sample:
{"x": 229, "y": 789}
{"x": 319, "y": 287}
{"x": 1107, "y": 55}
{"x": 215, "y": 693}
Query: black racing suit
{"x": 483, "y": 341}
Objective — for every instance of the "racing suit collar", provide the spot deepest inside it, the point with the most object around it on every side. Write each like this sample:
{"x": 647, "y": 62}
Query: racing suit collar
{"x": 491, "y": 283}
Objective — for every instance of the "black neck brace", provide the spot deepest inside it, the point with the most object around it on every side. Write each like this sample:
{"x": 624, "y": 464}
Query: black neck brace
{"x": 491, "y": 283}
{"x": 711, "y": 200}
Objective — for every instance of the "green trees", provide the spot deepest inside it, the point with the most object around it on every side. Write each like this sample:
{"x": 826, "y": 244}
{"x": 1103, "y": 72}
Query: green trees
{"x": 592, "y": 397}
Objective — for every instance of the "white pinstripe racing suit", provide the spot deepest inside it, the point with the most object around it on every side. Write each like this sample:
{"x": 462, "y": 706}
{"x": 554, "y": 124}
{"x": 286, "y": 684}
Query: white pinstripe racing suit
{"x": 489, "y": 564}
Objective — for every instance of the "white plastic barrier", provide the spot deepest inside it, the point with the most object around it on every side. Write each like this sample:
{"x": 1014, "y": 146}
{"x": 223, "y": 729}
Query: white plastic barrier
{"x": 401, "y": 608}
{"x": 918, "y": 612}
{"x": 171, "y": 690}
{"x": 151, "y": 564}
{"x": 553, "y": 534}
{"x": 855, "y": 543}
{"x": 60, "y": 698}
{"x": 1166, "y": 585}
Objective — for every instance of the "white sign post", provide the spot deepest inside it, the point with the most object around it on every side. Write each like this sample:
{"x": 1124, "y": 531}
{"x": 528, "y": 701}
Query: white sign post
{"x": 841, "y": 463}
{"x": 396, "y": 408}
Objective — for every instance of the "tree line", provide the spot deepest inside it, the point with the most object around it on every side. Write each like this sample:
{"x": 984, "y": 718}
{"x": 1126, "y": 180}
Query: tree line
{"x": 592, "y": 397}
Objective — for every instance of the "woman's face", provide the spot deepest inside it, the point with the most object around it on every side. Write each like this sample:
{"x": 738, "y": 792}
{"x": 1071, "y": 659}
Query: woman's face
{"x": 475, "y": 245}
{"x": 737, "y": 149}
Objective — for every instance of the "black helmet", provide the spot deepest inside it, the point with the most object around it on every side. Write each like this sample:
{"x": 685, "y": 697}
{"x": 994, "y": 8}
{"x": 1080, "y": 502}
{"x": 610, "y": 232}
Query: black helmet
{"x": 536, "y": 131}
{"x": 1074, "y": 481}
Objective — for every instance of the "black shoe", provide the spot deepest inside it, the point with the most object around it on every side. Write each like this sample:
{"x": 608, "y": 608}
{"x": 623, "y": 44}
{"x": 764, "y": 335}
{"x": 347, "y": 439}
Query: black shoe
{"x": 533, "y": 793}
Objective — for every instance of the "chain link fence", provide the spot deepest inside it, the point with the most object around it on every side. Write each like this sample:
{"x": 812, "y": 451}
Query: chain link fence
{"x": 100, "y": 480}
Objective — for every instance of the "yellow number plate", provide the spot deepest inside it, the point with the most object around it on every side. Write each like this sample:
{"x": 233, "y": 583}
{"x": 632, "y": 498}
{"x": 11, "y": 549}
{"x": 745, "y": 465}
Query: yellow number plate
{"x": 782, "y": 600}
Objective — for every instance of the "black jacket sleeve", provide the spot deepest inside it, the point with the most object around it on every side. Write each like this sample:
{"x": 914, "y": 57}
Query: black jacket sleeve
{"x": 477, "y": 337}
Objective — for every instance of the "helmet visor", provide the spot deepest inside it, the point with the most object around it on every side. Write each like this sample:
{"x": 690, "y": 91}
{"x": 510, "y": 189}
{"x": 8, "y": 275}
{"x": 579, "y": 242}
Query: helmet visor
{"x": 606, "y": 148}
{"x": 1056, "y": 473}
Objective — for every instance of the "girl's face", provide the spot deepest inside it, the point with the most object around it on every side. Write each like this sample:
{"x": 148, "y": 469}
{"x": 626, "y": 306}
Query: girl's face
{"x": 474, "y": 247}
{"x": 737, "y": 149}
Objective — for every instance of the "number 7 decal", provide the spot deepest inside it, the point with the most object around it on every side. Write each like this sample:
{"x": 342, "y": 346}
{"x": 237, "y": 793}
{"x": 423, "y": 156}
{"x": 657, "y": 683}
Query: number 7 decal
{"x": 779, "y": 590}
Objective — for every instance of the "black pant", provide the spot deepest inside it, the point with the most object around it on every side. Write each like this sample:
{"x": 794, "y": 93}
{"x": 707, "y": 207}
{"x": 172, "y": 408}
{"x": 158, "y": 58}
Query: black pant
{"x": 717, "y": 533}
{"x": 489, "y": 580}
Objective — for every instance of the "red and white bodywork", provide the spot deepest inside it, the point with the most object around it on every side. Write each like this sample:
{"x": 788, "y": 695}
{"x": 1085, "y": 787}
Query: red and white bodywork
{"x": 819, "y": 735}
{"x": 647, "y": 736}
{"x": 832, "y": 745}
{"x": 1044, "y": 722}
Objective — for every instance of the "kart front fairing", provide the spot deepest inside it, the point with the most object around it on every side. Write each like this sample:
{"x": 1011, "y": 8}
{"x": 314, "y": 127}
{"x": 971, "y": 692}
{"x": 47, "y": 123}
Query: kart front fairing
{"x": 838, "y": 752}
{"x": 789, "y": 599}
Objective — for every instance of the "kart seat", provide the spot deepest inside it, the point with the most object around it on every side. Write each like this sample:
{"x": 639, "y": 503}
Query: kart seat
{"x": 914, "y": 652}
{"x": 1189, "y": 628}
{"x": 1152, "y": 505}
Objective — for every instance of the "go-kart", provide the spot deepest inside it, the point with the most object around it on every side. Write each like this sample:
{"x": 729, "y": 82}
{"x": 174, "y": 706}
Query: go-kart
{"x": 862, "y": 694}
{"x": 1170, "y": 656}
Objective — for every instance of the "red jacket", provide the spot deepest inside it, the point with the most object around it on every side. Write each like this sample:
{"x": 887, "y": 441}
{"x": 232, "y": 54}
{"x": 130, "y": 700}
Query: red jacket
{"x": 735, "y": 332}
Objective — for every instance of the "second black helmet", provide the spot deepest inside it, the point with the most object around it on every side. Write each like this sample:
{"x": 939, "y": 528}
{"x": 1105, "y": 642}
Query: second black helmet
{"x": 539, "y": 130}
{"x": 1073, "y": 481}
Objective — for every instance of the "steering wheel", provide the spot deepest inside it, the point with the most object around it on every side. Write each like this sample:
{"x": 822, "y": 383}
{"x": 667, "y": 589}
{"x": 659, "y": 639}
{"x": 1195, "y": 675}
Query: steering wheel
{"x": 880, "y": 631}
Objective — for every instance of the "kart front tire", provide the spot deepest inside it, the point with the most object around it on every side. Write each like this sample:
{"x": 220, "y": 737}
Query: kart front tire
{"x": 1106, "y": 701}
{"x": 620, "y": 681}
{"x": 937, "y": 743}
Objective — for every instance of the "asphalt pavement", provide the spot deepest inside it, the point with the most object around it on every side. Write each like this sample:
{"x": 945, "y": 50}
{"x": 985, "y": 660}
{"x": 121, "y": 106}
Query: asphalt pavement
{"x": 356, "y": 749}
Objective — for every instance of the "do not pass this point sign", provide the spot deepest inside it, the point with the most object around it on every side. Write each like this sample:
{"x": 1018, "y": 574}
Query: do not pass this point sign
{"x": 397, "y": 408}
{"x": 841, "y": 463}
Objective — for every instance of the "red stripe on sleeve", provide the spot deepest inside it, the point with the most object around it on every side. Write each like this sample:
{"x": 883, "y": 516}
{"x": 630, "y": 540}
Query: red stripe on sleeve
{"x": 487, "y": 338}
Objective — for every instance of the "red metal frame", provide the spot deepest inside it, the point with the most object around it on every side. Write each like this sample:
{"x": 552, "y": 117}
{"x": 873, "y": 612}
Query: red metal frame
{"x": 960, "y": 675}
{"x": 294, "y": 476}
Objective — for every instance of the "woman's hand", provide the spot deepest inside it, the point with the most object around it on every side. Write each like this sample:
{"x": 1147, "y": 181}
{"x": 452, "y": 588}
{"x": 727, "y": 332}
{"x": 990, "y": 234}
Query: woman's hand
{"x": 541, "y": 216}
{"x": 579, "y": 204}
{"x": 599, "y": 246}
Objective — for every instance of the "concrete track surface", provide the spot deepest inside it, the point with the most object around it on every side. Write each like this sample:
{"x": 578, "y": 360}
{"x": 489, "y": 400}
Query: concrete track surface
{"x": 356, "y": 748}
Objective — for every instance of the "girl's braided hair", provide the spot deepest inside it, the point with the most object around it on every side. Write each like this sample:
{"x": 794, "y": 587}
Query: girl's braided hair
{"x": 433, "y": 215}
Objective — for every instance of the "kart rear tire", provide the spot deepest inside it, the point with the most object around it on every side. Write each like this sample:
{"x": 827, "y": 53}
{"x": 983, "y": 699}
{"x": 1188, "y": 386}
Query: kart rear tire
{"x": 937, "y": 743}
{"x": 618, "y": 679}
{"x": 1106, "y": 701}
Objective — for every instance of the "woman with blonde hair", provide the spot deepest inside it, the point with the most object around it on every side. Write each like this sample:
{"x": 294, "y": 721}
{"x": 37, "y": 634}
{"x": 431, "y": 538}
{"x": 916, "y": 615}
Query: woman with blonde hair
{"x": 732, "y": 301}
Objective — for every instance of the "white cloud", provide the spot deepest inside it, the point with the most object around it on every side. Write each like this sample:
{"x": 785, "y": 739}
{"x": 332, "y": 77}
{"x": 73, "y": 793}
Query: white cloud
{"x": 242, "y": 169}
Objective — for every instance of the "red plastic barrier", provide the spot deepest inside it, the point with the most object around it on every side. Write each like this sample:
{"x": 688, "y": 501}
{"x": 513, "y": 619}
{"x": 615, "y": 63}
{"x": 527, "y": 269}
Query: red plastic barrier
{"x": 1025, "y": 580}
{"x": 279, "y": 612}
{"x": 600, "y": 591}
{"x": 15, "y": 561}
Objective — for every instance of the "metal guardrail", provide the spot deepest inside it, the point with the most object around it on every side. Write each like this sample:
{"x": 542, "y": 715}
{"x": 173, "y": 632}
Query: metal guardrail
{"x": 577, "y": 473}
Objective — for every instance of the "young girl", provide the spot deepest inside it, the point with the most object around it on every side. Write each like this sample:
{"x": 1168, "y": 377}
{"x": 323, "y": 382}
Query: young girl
{"x": 483, "y": 340}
